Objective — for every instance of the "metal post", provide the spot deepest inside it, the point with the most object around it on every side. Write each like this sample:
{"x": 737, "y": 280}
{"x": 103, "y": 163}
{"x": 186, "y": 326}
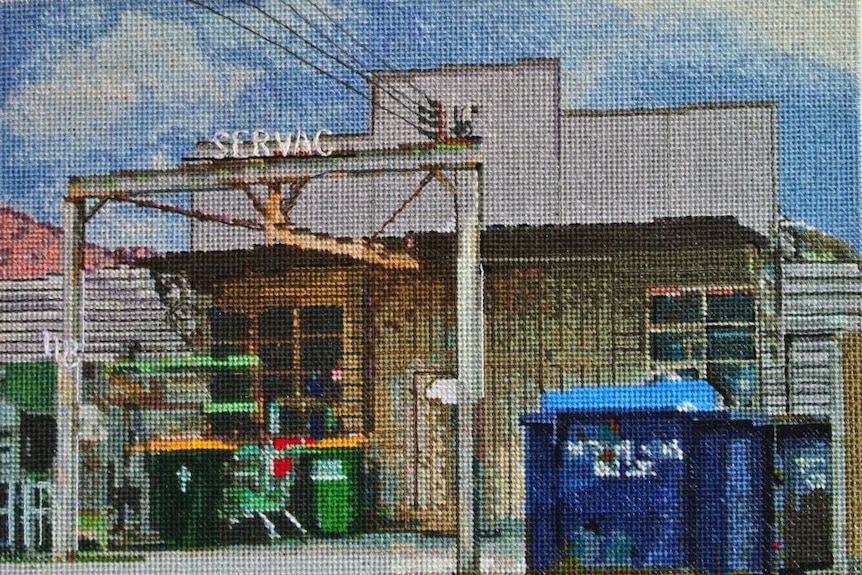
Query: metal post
{"x": 65, "y": 499}
{"x": 839, "y": 469}
{"x": 471, "y": 351}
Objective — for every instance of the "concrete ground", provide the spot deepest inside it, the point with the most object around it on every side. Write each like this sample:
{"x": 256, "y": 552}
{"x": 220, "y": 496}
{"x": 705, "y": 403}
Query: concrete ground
{"x": 383, "y": 554}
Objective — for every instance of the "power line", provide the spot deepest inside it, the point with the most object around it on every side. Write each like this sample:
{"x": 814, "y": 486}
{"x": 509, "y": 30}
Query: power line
{"x": 363, "y": 46}
{"x": 315, "y": 67}
{"x": 347, "y": 53}
{"x": 410, "y": 107}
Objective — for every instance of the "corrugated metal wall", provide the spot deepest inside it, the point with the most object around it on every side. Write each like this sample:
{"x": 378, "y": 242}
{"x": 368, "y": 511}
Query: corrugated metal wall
{"x": 563, "y": 324}
{"x": 549, "y": 325}
{"x": 852, "y": 370}
{"x": 820, "y": 301}
{"x": 413, "y": 323}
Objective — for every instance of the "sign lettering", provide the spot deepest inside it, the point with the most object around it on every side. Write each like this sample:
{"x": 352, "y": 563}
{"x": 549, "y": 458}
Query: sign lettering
{"x": 262, "y": 144}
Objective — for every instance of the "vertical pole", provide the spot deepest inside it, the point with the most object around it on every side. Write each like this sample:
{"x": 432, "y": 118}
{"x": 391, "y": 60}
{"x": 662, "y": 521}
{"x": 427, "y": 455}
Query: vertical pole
{"x": 471, "y": 351}
{"x": 65, "y": 499}
{"x": 839, "y": 470}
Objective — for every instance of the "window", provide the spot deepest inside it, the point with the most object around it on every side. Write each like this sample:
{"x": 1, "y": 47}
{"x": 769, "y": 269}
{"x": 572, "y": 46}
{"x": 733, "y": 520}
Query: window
{"x": 300, "y": 350}
{"x": 230, "y": 331}
{"x": 6, "y": 515}
{"x": 708, "y": 334}
{"x": 321, "y": 319}
{"x": 320, "y": 350}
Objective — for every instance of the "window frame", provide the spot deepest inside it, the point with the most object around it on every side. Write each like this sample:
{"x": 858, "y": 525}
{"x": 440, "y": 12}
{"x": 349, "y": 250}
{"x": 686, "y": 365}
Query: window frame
{"x": 294, "y": 394}
{"x": 701, "y": 332}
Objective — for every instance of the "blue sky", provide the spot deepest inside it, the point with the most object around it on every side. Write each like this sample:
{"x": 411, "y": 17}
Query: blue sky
{"x": 91, "y": 86}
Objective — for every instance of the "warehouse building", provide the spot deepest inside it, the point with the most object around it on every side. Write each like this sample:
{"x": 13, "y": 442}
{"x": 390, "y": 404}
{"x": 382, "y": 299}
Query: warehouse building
{"x": 618, "y": 248}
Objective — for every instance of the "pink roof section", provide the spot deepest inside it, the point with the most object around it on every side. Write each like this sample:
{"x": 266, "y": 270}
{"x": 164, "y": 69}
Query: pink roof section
{"x": 33, "y": 249}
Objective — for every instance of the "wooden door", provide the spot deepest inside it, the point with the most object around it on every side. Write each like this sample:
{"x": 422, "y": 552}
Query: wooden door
{"x": 429, "y": 448}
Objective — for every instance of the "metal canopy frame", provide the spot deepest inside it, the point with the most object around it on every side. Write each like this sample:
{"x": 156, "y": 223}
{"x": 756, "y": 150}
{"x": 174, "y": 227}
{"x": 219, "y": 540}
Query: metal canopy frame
{"x": 141, "y": 188}
{"x": 88, "y": 194}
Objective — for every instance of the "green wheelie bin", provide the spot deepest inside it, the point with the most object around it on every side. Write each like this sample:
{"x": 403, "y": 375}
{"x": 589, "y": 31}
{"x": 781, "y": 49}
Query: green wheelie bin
{"x": 187, "y": 490}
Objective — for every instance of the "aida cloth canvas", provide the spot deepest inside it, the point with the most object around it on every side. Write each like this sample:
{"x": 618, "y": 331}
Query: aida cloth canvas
{"x": 430, "y": 287}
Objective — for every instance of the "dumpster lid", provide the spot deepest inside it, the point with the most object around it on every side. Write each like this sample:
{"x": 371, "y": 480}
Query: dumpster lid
{"x": 687, "y": 395}
{"x": 183, "y": 444}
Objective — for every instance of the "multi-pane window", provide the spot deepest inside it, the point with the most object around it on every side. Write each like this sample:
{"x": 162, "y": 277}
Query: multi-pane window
{"x": 275, "y": 348}
{"x": 230, "y": 330}
{"x": 300, "y": 350}
{"x": 708, "y": 334}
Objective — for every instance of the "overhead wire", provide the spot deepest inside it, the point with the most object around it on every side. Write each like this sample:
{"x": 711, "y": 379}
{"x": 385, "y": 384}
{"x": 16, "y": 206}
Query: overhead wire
{"x": 389, "y": 67}
{"x": 412, "y": 107}
{"x": 298, "y": 57}
{"x": 362, "y": 65}
{"x": 427, "y": 114}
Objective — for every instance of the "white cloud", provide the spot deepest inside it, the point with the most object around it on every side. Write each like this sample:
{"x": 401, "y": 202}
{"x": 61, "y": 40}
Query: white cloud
{"x": 580, "y": 78}
{"x": 124, "y": 225}
{"x": 222, "y": 34}
{"x": 159, "y": 161}
{"x": 824, "y": 29}
{"x": 93, "y": 89}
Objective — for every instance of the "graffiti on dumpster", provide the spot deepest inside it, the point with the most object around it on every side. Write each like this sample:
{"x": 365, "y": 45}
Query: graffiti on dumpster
{"x": 611, "y": 455}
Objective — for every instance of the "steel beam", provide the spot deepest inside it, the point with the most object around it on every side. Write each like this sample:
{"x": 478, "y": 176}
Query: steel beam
{"x": 471, "y": 358}
{"x": 134, "y": 187}
{"x": 428, "y": 177}
{"x": 220, "y": 175}
{"x": 64, "y": 543}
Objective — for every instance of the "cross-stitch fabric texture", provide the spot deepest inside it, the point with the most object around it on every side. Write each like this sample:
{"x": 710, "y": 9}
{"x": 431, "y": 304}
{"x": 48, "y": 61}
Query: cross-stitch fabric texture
{"x": 430, "y": 287}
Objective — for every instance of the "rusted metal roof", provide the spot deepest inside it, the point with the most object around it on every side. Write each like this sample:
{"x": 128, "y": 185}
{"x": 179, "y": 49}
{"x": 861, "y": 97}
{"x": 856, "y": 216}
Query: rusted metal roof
{"x": 585, "y": 240}
{"x": 438, "y": 249}
{"x": 204, "y": 269}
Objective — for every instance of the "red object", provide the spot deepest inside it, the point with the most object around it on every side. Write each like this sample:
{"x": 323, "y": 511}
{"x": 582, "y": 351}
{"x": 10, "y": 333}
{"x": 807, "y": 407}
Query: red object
{"x": 281, "y": 467}
{"x": 281, "y": 442}
{"x": 33, "y": 249}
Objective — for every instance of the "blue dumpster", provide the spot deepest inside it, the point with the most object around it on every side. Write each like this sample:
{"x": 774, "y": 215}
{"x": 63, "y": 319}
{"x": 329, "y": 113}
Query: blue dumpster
{"x": 644, "y": 477}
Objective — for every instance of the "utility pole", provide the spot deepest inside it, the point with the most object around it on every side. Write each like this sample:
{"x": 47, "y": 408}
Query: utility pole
{"x": 64, "y": 544}
{"x": 471, "y": 359}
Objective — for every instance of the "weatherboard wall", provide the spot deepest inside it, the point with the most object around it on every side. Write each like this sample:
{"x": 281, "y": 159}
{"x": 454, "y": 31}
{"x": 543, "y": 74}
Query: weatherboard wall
{"x": 820, "y": 301}
{"x": 550, "y": 324}
{"x": 121, "y": 306}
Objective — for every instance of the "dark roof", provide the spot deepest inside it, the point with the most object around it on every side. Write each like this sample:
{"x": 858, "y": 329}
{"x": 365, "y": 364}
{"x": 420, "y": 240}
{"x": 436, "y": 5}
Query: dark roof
{"x": 550, "y": 241}
{"x": 806, "y": 244}
{"x": 204, "y": 269}
{"x": 498, "y": 242}
{"x": 675, "y": 111}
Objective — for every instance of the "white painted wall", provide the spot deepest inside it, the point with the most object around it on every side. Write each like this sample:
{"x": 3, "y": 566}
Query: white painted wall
{"x": 541, "y": 166}
{"x": 699, "y": 161}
